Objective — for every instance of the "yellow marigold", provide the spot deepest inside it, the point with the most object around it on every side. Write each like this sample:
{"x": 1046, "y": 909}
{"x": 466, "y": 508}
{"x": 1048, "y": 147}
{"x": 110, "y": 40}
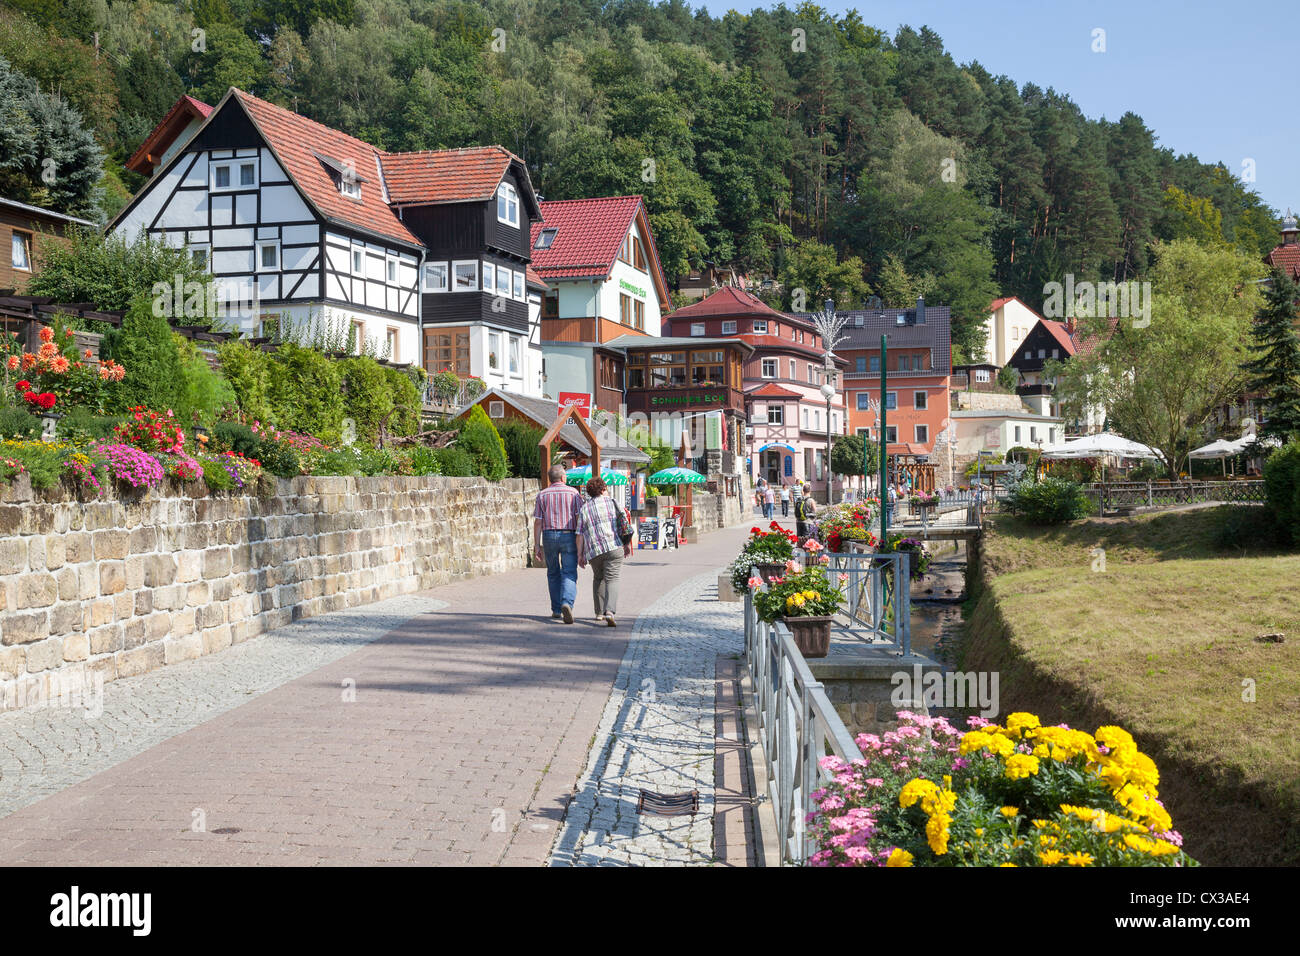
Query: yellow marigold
{"x": 1142, "y": 770}
{"x": 1114, "y": 775}
{"x": 1021, "y": 722}
{"x": 914, "y": 790}
{"x": 1086, "y": 814}
{"x": 1009, "y": 811}
{"x": 1116, "y": 738}
{"x": 979, "y": 831}
{"x": 1140, "y": 843}
{"x": 899, "y": 857}
{"x": 1039, "y": 824}
{"x": 1051, "y": 857}
{"x": 1006, "y": 864}
{"x": 1162, "y": 848}
{"x": 1000, "y": 745}
{"x": 936, "y": 833}
{"x": 972, "y": 741}
{"x": 1078, "y": 859}
{"x": 938, "y": 801}
{"x": 1020, "y": 766}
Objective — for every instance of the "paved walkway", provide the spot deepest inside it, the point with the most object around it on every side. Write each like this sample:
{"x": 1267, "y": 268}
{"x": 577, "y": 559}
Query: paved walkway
{"x": 410, "y": 732}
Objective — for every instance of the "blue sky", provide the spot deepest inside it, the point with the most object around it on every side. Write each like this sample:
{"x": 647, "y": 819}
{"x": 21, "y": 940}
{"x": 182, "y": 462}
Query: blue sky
{"x": 1208, "y": 78}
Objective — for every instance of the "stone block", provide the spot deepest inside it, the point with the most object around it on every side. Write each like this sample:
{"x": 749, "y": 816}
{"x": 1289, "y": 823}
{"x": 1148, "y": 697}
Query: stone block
{"x": 69, "y": 584}
{"x": 24, "y": 628}
{"x": 106, "y": 639}
{"x": 76, "y": 647}
{"x": 216, "y": 563}
{"x": 159, "y": 570}
{"x": 135, "y": 572}
{"x": 110, "y": 545}
{"x": 216, "y": 638}
{"x": 66, "y": 618}
{"x": 198, "y": 594}
{"x": 141, "y": 660}
{"x": 36, "y": 553}
{"x": 11, "y": 662}
{"x": 106, "y": 666}
{"x": 45, "y": 654}
{"x": 189, "y": 565}
{"x": 183, "y": 622}
{"x": 55, "y": 551}
{"x": 76, "y": 547}
{"x": 143, "y": 602}
{"x": 101, "y": 612}
{"x": 158, "y": 626}
{"x": 123, "y": 606}
{"x": 134, "y": 633}
{"x": 37, "y": 589}
{"x": 13, "y": 555}
{"x": 143, "y": 540}
{"x": 112, "y": 577}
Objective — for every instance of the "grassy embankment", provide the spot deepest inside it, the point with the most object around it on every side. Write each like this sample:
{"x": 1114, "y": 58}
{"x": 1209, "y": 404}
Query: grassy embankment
{"x": 1161, "y": 643}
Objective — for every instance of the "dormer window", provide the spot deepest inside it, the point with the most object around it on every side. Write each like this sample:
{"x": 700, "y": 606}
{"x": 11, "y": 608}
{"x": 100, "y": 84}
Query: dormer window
{"x": 545, "y": 238}
{"x": 343, "y": 174}
{"x": 508, "y": 205}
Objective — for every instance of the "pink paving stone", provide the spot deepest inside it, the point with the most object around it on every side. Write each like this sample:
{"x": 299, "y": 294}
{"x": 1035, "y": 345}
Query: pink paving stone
{"x": 485, "y": 704}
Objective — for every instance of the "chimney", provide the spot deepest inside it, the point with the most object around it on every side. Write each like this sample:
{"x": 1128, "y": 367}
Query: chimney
{"x": 1069, "y": 325}
{"x": 920, "y": 310}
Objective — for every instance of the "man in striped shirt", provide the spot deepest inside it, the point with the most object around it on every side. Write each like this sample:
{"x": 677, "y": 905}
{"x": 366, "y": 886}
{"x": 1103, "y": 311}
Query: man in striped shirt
{"x": 554, "y": 522}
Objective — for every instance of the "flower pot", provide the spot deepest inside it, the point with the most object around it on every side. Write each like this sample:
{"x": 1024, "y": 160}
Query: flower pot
{"x": 770, "y": 571}
{"x": 812, "y": 635}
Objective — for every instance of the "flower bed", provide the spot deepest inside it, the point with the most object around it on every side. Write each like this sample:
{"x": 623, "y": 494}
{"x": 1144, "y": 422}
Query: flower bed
{"x": 1019, "y": 795}
{"x": 840, "y": 524}
{"x": 774, "y": 546}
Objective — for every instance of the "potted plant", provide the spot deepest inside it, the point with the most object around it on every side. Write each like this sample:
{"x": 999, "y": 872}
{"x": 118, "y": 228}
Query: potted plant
{"x": 806, "y": 601}
{"x": 847, "y": 527}
{"x": 922, "y": 500}
{"x": 771, "y": 549}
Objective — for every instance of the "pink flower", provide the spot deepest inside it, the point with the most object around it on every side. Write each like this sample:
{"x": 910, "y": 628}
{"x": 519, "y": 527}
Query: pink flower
{"x": 793, "y": 566}
{"x": 813, "y": 545}
{"x": 844, "y": 578}
{"x": 755, "y": 582}
{"x": 824, "y": 559}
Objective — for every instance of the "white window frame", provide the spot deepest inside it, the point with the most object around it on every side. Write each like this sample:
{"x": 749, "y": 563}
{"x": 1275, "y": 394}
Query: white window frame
{"x": 779, "y": 418}
{"x": 394, "y": 336}
{"x": 21, "y": 240}
{"x": 891, "y": 434}
{"x": 1033, "y": 433}
{"x": 515, "y": 357}
{"x": 729, "y": 328}
{"x": 503, "y": 279}
{"x": 776, "y": 368}
{"x": 494, "y": 351}
{"x": 446, "y": 277}
{"x": 391, "y": 266}
{"x": 267, "y": 244}
{"x": 350, "y": 183}
{"x": 924, "y": 404}
{"x": 517, "y": 287}
{"x": 204, "y": 248}
{"x": 698, "y": 328}
{"x": 548, "y": 233}
{"x": 805, "y": 419}
{"x": 510, "y": 196}
{"x": 758, "y": 416}
{"x": 794, "y": 371}
{"x": 488, "y": 274}
{"x": 760, "y": 326}
{"x": 891, "y": 401}
{"x": 873, "y": 364}
{"x": 360, "y": 343}
{"x": 982, "y": 375}
{"x": 455, "y": 283}
{"x": 233, "y": 168}
{"x": 918, "y": 437}
{"x": 358, "y": 270}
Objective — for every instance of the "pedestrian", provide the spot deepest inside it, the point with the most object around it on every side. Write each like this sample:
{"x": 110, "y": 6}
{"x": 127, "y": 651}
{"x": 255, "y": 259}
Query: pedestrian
{"x": 600, "y": 544}
{"x": 785, "y": 501}
{"x": 889, "y": 507}
{"x": 554, "y": 524}
{"x": 769, "y": 502}
{"x": 804, "y": 508}
{"x": 758, "y": 495}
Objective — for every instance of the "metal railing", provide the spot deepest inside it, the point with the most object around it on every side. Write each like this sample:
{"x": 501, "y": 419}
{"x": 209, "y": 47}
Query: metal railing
{"x": 873, "y": 602}
{"x": 797, "y": 726}
{"x": 1115, "y": 495}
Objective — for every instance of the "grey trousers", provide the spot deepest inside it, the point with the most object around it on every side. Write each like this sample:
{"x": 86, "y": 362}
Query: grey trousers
{"x": 605, "y": 569}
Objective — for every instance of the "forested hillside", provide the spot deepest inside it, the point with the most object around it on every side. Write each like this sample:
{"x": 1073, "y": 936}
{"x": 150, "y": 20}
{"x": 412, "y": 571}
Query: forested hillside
{"x": 790, "y": 142}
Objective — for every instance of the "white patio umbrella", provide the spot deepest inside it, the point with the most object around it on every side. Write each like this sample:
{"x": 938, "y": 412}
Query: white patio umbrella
{"x": 1100, "y": 446}
{"x": 1220, "y": 449}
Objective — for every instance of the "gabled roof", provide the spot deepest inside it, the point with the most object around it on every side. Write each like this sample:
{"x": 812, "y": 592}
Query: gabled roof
{"x": 999, "y": 303}
{"x": 588, "y": 236}
{"x": 183, "y": 112}
{"x": 674, "y": 342}
{"x": 1061, "y": 333}
{"x": 772, "y": 390}
{"x": 436, "y": 176}
{"x": 1286, "y": 258}
{"x": 533, "y": 279}
{"x": 728, "y": 301}
{"x": 543, "y": 411}
{"x": 36, "y": 212}
{"x": 302, "y": 145}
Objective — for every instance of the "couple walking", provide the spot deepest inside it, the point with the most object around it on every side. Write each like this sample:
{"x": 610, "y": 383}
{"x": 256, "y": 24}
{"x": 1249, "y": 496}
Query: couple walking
{"x": 570, "y": 531}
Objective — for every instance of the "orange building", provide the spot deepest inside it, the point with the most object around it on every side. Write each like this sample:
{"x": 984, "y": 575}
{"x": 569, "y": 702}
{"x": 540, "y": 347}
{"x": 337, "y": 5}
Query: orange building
{"x": 918, "y": 361}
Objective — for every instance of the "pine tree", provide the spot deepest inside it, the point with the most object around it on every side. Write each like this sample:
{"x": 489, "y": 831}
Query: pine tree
{"x": 1275, "y": 370}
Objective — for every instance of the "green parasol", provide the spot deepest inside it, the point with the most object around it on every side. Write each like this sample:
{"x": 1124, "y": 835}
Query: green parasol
{"x": 676, "y": 476}
{"x": 580, "y": 476}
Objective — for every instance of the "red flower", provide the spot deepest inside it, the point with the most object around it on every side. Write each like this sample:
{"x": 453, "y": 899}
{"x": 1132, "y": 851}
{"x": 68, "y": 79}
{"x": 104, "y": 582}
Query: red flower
{"x": 22, "y": 386}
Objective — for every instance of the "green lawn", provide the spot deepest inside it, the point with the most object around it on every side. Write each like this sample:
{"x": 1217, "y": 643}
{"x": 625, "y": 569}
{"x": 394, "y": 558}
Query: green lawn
{"x": 1161, "y": 642}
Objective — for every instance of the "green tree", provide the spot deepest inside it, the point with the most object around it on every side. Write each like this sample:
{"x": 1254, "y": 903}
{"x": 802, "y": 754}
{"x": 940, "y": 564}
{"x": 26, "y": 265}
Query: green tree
{"x": 846, "y": 455}
{"x": 146, "y": 347}
{"x": 814, "y": 267}
{"x": 1160, "y": 383}
{"x": 305, "y": 392}
{"x": 479, "y": 438}
{"x": 1275, "y": 368}
{"x": 111, "y": 271}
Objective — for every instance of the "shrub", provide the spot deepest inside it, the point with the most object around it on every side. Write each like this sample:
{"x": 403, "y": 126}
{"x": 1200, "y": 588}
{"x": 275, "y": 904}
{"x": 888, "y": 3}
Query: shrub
{"x": 216, "y": 475}
{"x": 236, "y": 437}
{"x": 424, "y": 461}
{"x": 522, "y": 452}
{"x": 455, "y": 462}
{"x": 248, "y": 370}
{"x": 404, "y": 395}
{"x": 150, "y": 431}
{"x": 81, "y": 424}
{"x": 1243, "y": 527}
{"x": 43, "y": 461}
{"x": 305, "y": 392}
{"x": 1282, "y": 490}
{"x": 368, "y": 400}
{"x": 480, "y": 440}
{"x": 1148, "y": 470}
{"x": 146, "y": 347}
{"x": 18, "y": 423}
{"x": 201, "y": 391}
{"x": 338, "y": 461}
{"x": 1050, "y": 501}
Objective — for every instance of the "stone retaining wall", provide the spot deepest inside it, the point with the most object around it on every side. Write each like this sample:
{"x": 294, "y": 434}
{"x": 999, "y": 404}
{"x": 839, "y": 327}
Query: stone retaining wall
{"x": 98, "y": 590}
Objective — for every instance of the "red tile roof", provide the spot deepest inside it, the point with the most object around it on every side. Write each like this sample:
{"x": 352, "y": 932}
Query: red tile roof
{"x": 1286, "y": 258}
{"x": 728, "y": 300}
{"x": 1061, "y": 333}
{"x": 772, "y": 390}
{"x": 446, "y": 175}
{"x": 299, "y": 144}
{"x": 589, "y": 234}
{"x": 999, "y": 303}
{"x": 533, "y": 278}
{"x": 160, "y": 138}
